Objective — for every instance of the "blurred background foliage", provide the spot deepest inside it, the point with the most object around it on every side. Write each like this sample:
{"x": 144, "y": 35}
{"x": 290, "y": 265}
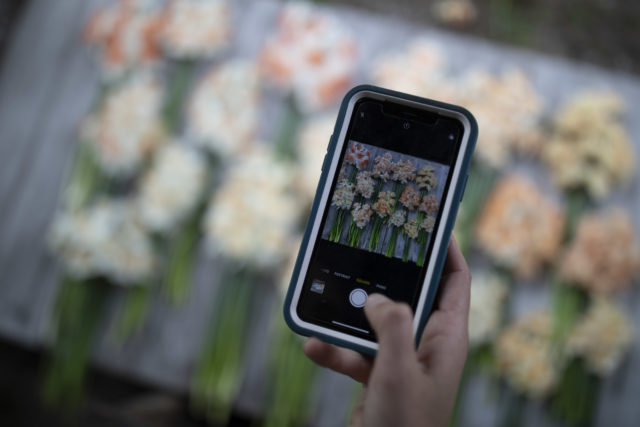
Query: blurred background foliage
{"x": 195, "y": 152}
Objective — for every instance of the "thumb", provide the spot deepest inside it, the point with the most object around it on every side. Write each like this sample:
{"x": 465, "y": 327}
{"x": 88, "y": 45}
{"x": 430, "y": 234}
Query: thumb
{"x": 393, "y": 325}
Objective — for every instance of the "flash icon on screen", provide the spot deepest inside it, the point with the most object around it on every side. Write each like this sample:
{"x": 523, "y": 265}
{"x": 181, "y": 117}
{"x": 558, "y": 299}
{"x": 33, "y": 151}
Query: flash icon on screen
{"x": 451, "y": 137}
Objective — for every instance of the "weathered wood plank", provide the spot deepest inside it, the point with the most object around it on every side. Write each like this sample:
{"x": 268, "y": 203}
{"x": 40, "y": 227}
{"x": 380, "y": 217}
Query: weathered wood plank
{"x": 48, "y": 83}
{"x": 32, "y": 200}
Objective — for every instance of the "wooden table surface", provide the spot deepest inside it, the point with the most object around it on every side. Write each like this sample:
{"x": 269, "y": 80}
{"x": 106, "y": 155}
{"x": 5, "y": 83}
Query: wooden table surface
{"x": 48, "y": 83}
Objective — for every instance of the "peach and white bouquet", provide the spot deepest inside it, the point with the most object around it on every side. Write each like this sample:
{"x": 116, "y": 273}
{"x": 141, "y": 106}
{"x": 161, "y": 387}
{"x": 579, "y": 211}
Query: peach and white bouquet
{"x": 520, "y": 227}
{"x": 311, "y": 55}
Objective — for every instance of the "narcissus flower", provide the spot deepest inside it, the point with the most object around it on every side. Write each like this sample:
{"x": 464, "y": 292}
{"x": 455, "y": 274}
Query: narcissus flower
{"x": 604, "y": 256}
{"x": 172, "y": 188}
{"x": 222, "y": 113}
{"x": 602, "y": 337}
{"x": 192, "y": 29}
{"x": 311, "y": 55}
{"x": 524, "y": 355}
{"x": 520, "y": 227}
{"x": 126, "y": 128}
{"x": 104, "y": 240}
{"x": 590, "y": 149}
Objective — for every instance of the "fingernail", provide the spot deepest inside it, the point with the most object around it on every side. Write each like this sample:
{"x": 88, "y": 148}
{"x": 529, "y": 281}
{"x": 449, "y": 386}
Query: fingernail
{"x": 375, "y": 300}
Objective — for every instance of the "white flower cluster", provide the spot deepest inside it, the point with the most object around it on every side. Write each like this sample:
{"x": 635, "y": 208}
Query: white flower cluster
{"x": 508, "y": 110}
{"x": 385, "y": 203}
{"x": 403, "y": 171}
{"x": 590, "y": 147}
{"x": 410, "y": 198}
{"x": 223, "y": 110}
{"x": 602, "y": 337}
{"x": 411, "y": 228}
{"x": 427, "y": 223}
{"x": 383, "y": 167}
{"x": 365, "y": 184}
{"x": 127, "y": 127}
{"x": 103, "y": 240}
{"x": 398, "y": 218}
{"x": 311, "y": 54}
{"x": 313, "y": 141}
{"x": 426, "y": 178}
{"x": 343, "y": 195}
{"x": 172, "y": 187}
{"x": 253, "y": 216}
{"x": 488, "y": 294}
{"x": 195, "y": 28}
{"x": 524, "y": 355}
{"x": 361, "y": 214}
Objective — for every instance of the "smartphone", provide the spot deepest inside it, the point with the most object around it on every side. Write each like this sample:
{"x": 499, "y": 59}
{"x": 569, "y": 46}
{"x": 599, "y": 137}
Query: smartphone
{"x": 392, "y": 179}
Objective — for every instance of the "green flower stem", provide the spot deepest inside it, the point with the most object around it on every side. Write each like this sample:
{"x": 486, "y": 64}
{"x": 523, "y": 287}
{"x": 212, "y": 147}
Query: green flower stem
{"x": 354, "y": 235}
{"x": 181, "y": 77}
{"x": 336, "y": 228}
{"x": 376, "y": 191}
{"x": 78, "y": 313}
{"x": 292, "y": 374}
{"x": 575, "y": 400}
{"x": 480, "y": 182}
{"x": 422, "y": 250}
{"x": 285, "y": 141}
{"x": 391, "y": 247}
{"x": 85, "y": 178}
{"x": 407, "y": 246}
{"x": 218, "y": 374}
{"x": 133, "y": 312}
{"x": 183, "y": 248}
{"x": 567, "y": 305}
{"x": 374, "y": 238}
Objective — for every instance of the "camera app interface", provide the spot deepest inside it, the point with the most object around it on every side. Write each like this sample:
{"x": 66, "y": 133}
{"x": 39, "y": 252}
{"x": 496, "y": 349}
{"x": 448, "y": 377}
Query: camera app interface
{"x": 383, "y": 209}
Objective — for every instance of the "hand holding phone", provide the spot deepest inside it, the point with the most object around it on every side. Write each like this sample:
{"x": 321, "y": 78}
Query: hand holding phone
{"x": 404, "y": 386}
{"x": 391, "y": 183}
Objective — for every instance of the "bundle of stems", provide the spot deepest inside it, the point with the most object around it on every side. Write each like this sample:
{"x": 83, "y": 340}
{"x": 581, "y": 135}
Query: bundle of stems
{"x": 481, "y": 181}
{"x": 219, "y": 371}
{"x": 336, "y": 228}
{"x": 183, "y": 247}
{"x": 291, "y": 377}
{"x": 78, "y": 314}
{"x": 575, "y": 398}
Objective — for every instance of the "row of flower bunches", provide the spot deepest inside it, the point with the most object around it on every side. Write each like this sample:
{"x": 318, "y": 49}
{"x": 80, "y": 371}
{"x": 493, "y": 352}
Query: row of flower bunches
{"x": 162, "y": 161}
{"x": 158, "y": 166}
{"x": 360, "y": 192}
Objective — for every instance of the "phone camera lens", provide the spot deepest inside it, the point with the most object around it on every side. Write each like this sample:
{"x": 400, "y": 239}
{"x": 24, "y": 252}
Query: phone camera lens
{"x": 406, "y": 125}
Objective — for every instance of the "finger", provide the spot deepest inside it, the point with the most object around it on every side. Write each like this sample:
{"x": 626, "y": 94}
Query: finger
{"x": 393, "y": 324}
{"x": 455, "y": 284}
{"x": 341, "y": 360}
{"x": 455, "y": 260}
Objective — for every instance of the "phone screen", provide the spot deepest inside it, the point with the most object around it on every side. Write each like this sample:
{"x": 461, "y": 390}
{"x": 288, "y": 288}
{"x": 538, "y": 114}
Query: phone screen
{"x": 384, "y": 206}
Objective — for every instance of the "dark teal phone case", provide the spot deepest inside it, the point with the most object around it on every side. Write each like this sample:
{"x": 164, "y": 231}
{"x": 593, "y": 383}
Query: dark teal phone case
{"x": 458, "y": 192}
